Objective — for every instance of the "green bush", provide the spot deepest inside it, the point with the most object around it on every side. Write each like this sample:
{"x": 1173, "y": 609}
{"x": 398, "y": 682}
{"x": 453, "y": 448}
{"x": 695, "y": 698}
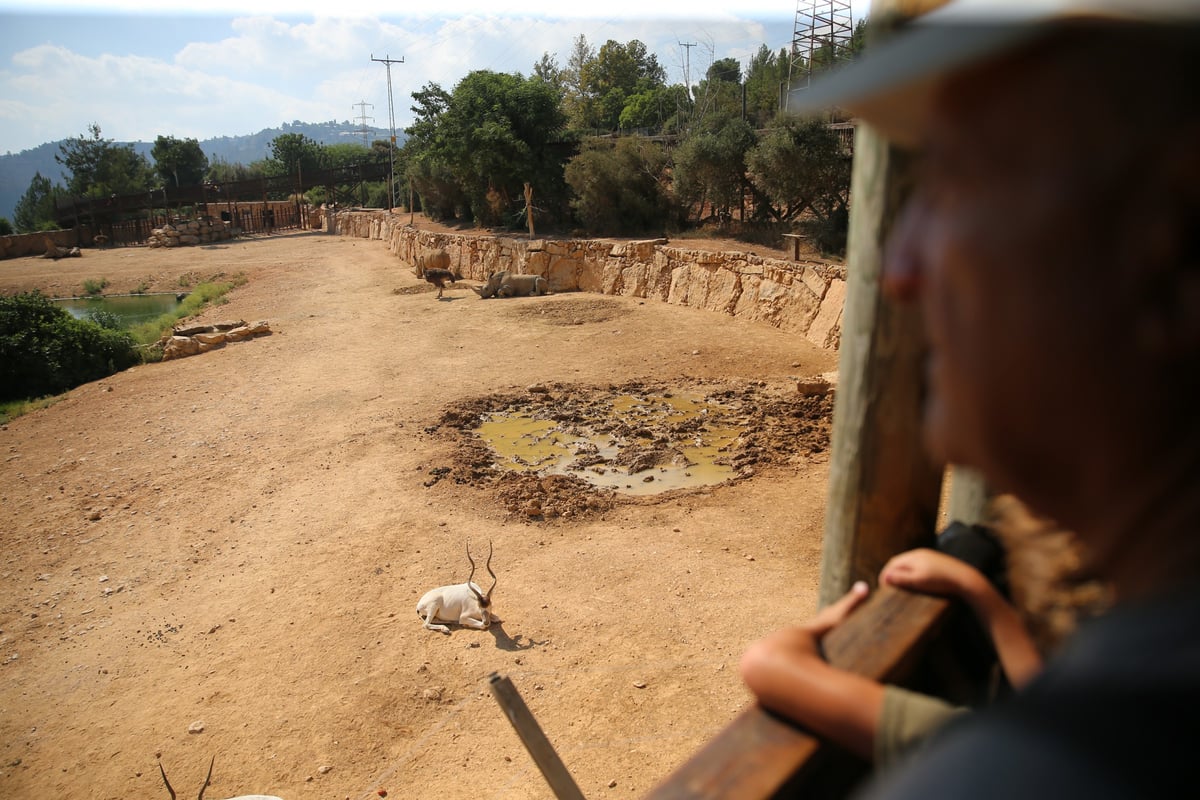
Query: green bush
{"x": 92, "y": 286}
{"x": 105, "y": 319}
{"x": 45, "y": 351}
{"x": 620, "y": 190}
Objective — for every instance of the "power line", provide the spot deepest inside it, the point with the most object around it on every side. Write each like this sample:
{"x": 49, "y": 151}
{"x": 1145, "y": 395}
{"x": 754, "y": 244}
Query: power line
{"x": 687, "y": 66}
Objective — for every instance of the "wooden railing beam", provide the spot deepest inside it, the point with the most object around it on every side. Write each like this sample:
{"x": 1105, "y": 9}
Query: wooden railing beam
{"x": 758, "y": 753}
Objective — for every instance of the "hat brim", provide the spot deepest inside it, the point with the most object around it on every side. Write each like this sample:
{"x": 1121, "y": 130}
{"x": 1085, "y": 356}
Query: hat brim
{"x": 892, "y": 85}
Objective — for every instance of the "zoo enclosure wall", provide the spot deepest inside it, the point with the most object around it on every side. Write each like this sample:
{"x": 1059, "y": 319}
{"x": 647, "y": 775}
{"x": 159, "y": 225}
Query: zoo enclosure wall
{"x": 801, "y": 297}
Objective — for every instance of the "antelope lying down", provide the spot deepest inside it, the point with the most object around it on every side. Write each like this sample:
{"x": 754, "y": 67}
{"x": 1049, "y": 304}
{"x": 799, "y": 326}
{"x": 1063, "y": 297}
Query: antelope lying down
{"x": 463, "y": 603}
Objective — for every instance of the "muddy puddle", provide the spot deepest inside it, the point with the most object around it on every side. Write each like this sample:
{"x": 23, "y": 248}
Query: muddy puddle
{"x": 636, "y": 444}
{"x": 560, "y": 450}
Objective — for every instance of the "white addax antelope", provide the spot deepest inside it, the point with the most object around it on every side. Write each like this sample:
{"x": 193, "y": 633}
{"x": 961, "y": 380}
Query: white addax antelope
{"x": 463, "y": 603}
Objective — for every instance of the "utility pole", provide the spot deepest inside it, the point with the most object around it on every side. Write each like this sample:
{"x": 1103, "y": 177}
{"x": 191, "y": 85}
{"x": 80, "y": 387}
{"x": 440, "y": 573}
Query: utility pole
{"x": 687, "y": 66}
{"x": 362, "y": 120}
{"x": 387, "y": 61}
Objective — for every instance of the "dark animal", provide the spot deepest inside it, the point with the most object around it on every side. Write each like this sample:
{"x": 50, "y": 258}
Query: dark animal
{"x": 440, "y": 277}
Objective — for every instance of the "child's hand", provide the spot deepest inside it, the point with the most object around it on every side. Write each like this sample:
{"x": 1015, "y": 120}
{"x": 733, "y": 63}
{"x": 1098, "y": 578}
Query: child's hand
{"x": 787, "y": 673}
{"x": 803, "y": 640}
{"x": 832, "y": 615}
{"x": 931, "y": 572}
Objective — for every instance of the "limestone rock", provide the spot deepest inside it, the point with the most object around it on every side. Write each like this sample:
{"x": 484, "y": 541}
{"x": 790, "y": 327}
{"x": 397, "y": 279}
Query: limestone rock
{"x": 180, "y": 346}
{"x": 209, "y": 338}
{"x": 190, "y": 340}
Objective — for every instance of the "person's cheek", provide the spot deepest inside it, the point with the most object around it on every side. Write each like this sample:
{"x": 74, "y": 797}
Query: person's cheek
{"x": 902, "y": 255}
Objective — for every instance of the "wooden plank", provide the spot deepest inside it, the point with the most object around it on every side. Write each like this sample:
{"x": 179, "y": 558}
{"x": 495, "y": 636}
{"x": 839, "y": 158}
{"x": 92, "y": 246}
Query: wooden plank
{"x": 883, "y": 487}
{"x": 758, "y": 752}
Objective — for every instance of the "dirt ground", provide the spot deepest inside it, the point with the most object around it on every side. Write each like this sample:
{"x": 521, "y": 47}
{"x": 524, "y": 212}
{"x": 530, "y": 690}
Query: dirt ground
{"x": 220, "y": 556}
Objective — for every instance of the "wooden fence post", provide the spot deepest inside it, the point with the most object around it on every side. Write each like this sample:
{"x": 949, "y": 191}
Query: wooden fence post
{"x": 883, "y": 488}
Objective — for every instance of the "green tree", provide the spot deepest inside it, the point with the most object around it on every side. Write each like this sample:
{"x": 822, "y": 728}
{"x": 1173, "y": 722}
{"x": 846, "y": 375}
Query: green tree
{"x": 292, "y": 152}
{"x": 381, "y": 151}
{"x": 349, "y": 154}
{"x": 799, "y": 168}
{"x": 179, "y": 162}
{"x": 858, "y": 39}
{"x": 621, "y": 188}
{"x": 221, "y": 171}
{"x": 575, "y": 95}
{"x": 607, "y": 81}
{"x": 662, "y": 108}
{"x": 718, "y": 95}
{"x": 426, "y": 166}
{"x": 766, "y": 76}
{"x": 35, "y": 210}
{"x": 6, "y": 227}
{"x": 492, "y": 134}
{"x": 726, "y": 70}
{"x": 710, "y": 168}
{"x": 548, "y": 71}
{"x": 100, "y": 168}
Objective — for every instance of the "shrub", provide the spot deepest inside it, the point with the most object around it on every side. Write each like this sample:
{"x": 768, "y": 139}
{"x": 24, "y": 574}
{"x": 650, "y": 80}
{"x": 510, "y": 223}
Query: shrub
{"x": 620, "y": 190}
{"x": 93, "y": 287}
{"x": 45, "y": 351}
{"x": 105, "y": 319}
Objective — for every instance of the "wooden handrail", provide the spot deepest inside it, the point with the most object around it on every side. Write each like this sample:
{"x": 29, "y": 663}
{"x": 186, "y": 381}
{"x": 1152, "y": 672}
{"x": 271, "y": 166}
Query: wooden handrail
{"x": 759, "y": 752}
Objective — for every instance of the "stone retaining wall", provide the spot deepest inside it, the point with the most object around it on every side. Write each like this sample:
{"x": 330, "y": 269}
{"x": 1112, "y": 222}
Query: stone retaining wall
{"x": 802, "y": 297}
{"x": 36, "y": 244}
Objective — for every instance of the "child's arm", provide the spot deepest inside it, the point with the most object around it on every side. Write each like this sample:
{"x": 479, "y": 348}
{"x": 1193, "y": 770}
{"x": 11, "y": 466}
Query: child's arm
{"x": 937, "y": 573}
{"x": 786, "y": 672}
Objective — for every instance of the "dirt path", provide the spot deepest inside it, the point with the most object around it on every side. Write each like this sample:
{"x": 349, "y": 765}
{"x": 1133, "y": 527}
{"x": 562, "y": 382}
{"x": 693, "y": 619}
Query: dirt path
{"x": 237, "y": 540}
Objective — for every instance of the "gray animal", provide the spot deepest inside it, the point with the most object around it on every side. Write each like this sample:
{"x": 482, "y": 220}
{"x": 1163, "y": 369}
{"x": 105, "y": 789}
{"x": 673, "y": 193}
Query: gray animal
{"x": 440, "y": 277}
{"x": 504, "y": 284}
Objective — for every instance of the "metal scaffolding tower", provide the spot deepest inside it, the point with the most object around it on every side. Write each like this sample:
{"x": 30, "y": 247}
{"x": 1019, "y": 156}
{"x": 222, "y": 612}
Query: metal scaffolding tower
{"x": 822, "y": 32}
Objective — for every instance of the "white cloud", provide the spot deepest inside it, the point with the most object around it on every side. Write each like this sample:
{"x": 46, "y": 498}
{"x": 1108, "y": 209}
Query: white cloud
{"x": 134, "y": 97}
{"x": 269, "y": 70}
{"x": 553, "y": 9}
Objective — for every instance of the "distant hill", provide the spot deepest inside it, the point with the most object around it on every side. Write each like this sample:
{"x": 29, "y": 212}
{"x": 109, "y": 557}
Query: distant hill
{"x": 18, "y": 169}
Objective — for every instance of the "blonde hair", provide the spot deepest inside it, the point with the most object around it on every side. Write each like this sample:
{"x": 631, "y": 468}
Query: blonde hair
{"x": 1046, "y": 577}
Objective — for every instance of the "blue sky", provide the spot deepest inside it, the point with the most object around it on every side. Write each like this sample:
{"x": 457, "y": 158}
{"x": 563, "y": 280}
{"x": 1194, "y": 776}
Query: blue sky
{"x": 140, "y": 73}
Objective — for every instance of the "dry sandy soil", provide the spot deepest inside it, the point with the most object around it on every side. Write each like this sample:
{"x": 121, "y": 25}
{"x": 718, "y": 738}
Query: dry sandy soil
{"x": 236, "y": 541}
